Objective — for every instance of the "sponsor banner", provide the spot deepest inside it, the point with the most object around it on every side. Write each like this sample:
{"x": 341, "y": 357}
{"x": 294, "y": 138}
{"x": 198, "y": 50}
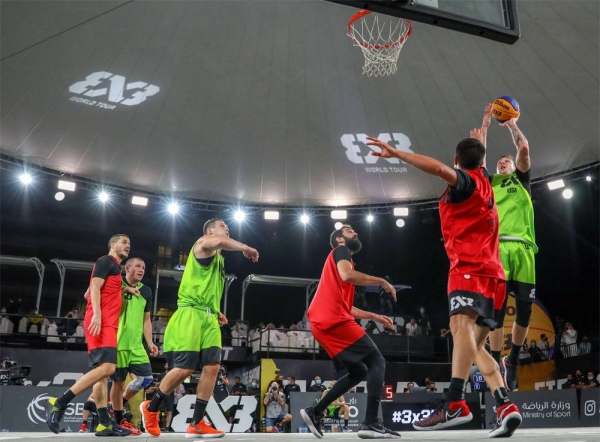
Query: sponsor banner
{"x": 23, "y": 408}
{"x": 357, "y": 403}
{"x": 406, "y": 409}
{"x": 238, "y": 407}
{"x": 541, "y": 409}
{"x": 235, "y": 354}
{"x": 589, "y": 411}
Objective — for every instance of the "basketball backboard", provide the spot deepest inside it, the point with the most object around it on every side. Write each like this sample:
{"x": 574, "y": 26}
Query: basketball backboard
{"x": 493, "y": 19}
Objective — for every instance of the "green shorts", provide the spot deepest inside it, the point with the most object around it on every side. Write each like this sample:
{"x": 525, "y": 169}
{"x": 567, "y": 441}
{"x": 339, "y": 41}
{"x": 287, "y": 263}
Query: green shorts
{"x": 134, "y": 361}
{"x": 192, "y": 338}
{"x": 518, "y": 260}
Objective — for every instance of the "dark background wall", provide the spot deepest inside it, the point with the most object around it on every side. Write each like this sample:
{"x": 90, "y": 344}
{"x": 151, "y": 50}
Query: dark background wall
{"x": 33, "y": 223}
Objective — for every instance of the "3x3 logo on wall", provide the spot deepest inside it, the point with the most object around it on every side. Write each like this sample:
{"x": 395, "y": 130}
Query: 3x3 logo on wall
{"x": 113, "y": 89}
{"x": 37, "y": 413}
{"x": 358, "y": 152}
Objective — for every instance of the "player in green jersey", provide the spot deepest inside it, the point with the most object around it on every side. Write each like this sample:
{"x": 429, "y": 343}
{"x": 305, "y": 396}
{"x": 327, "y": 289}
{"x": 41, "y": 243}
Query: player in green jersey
{"x": 193, "y": 335}
{"x": 512, "y": 191}
{"x": 134, "y": 324}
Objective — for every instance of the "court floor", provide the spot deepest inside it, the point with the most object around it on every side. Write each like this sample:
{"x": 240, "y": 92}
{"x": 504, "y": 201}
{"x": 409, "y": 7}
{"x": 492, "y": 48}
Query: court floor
{"x": 588, "y": 434}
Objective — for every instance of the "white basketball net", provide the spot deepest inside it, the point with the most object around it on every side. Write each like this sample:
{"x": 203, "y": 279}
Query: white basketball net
{"x": 381, "y": 39}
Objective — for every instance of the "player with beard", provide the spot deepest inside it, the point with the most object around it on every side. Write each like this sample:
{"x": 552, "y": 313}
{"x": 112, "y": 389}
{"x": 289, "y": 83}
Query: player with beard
{"x": 332, "y": 320}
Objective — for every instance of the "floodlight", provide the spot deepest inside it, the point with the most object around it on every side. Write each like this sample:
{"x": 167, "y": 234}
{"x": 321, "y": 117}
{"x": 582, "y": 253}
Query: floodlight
{"x": 173, "y": 208}
{"x": 338, "y": 225}
{"x": 400, "y": 211}
{"x": 304, "y": 218}
{"x": 271, "y": 214}
{"x": 588, "y": 178}
{"x": 370, "y": 218}
{"x": 103, "y": 196}
{"x": 25, "y": 178}
{"x": 552, "y": 185}
{"x": 400, "y": 222}
{"x": 567, "y": 194}
{"x": 139, "y": 201}
{"x": 338, "y": 214}
{"x": 59, "y": 196}
{"x": 67, "y": 185}
{"x": 239, "y": 216}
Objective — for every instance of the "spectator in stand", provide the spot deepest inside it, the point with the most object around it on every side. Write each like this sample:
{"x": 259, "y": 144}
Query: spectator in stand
{"x": 570, "y": 382}
{"x": 253, "y": 389}
{"x": 569, "y": 341}
{"x": 36, "y": 319}
{"x": 544, "y": 346}
{"x": 76, "y": 313}
{"x": 179, "y": 393}
{"x": 423, "y": 323}
{"x": 220, "y": 390}
{"x": 585, "y": 347}
{"x": 317, "y": 385}
{"x": 409, "y": 385}
{"x": 301, "y": 339}
{"x": 524, "y": 356}
{"x": 411, "y": 328}
{"x": 592, "y": 382}
{"x": 535, "y": 352}
{"x": 431, "y": 387}
{"x": 289, "y": 387}
{"x": 304, "y": 324}
{"x": 14, "y": 308}
{"x": 579, "y": 378}
{"x": 275, "y": 403}
{"x": 239, "y": 389}
{"x": 158, "y": 329}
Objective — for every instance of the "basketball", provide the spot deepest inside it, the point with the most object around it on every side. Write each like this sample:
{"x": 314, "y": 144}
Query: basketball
{"x": 505, "y": 108}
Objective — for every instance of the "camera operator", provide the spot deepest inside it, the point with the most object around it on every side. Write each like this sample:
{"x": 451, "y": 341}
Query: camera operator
{"x": 275, "y": 402}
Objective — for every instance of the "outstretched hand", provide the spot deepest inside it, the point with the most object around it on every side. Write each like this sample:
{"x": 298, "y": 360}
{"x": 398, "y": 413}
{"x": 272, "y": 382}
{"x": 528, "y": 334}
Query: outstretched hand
{"x": 251, "y": 254}
{"x": 511, "y": 122}
{"x": 487, "y": 116}
{"x": 387, "y": 151}
{"x": 478, "y": 135}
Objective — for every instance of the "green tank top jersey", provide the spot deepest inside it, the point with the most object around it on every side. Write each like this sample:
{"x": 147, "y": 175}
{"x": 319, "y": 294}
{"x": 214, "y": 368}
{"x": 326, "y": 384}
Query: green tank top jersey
{"x": 515, "y": 209}
{"x": 131, "y": 318}
{"x": 202, "y": 286}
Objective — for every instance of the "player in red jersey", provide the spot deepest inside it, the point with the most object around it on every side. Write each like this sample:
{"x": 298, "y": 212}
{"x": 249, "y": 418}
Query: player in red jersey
{"x": 476, "y": 281}
{"x": 332, "y": 322}
{"x": 100, "y": 324}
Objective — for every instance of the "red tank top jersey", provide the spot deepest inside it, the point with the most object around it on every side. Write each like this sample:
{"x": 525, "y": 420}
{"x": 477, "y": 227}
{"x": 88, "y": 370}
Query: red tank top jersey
{"x": 109, "y": 269}
{"x": 333, "y": 299}
{"x": 470, "y": 230}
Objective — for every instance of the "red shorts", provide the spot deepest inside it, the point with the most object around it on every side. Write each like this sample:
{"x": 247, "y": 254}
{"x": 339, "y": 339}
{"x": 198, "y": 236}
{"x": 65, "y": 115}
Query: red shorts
{"x": 482, "y": 294}
{"x": 337, "y": 338}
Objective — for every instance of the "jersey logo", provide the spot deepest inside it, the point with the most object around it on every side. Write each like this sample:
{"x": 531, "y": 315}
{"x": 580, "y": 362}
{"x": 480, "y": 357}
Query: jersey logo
{"x": 460, "y": 301}
{"x": 506, "y": 182}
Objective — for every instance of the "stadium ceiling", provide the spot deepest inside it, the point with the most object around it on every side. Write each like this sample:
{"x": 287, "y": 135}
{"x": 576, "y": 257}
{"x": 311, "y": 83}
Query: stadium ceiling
{"x": 264, "y": 101}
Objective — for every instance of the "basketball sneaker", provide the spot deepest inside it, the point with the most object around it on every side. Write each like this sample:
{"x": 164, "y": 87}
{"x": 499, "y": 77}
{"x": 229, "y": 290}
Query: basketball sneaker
{"x": 376, "y": 430}
{"x": 54, "y": 414}
{"x": 510, "y": 374}
{"x": 150, "y": 419}
{"x": 83, "y": 428}
{"x": 202, "y": 430}
{"x": 134, "y": 431}
{"x": 448, "y": 414}
{"x": 113, "y": 429}
{"x": 508, "y": 419}
{"x": 312, "y": 421}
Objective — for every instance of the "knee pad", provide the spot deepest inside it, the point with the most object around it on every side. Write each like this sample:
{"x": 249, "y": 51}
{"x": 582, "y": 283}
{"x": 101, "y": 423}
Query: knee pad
{"x": 524, "y": 309}
{"x": 140, "y": 382}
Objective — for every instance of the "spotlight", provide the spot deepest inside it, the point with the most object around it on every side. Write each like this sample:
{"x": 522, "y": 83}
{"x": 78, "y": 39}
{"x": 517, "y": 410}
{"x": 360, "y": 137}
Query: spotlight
{"x": 370, "y": 218}
{"x": 588, "y": 178}
{"x": 338, "y": 214}
{"x": 239, "y": 216}
{"x": 400, "y": 222}
{"x": 338, "y": 225}
{"x": 139, "y": 201}
{"x": 173, "y": 208}
{"x": 304, "y": 218}
{"x": 271, "y": 214}
{"x": 400, "y": 211}
{"x": 552, "y": 185}
{"x": 59, "y": 196}
{"x": 67, "y": 185}
{"x": 567, "y": 194}
{"x": 103, "y": 196}
{"x": 26, "y": 178}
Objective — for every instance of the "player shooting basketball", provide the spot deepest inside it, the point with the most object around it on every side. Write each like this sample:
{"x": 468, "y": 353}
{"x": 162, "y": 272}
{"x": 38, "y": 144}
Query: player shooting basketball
{"x": 512, "y": 191}
{"x": 476, "y": 282}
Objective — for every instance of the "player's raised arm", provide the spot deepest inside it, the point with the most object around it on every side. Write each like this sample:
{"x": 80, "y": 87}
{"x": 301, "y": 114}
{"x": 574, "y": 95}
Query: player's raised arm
{"x": 523, "y": 162}
{"x": 424, "y": 163}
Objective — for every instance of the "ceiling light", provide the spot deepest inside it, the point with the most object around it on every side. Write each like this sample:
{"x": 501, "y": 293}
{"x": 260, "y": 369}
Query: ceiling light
{"x": 400, "y": 211}
{"x": 588, "y": 178}
{"x": 173, "y": 208}
{"x": 59, "y": 196}
{"x": 556, "y": 184}
{"x": 139, "y": 201}
{"x": 400, "y": 222}
{"x": 271, "y": 214}
{"x": 103, "y": 196}
{"x": 239, "y": 216}
{"x": 370, "y": 218}
{"x": 338, "y": 225}
{"x": 338, "y": 214}
{"x": 26, "y": 178}
{"x": 567, "y": 194}
{"x": 304, "y": 218}
{"x": 66, "y": 185}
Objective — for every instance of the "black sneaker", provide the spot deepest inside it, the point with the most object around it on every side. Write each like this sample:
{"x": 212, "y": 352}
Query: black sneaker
{"x": 53, "y": 415}
{"x": 376, "y": 430}
{"x": 312, "y": 422}
{"x": 510, "y": 374}
{"x": 113, "y": 429}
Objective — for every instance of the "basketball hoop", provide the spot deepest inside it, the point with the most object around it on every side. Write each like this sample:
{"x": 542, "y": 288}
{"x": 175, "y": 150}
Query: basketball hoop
{"x": 381, "y": 39}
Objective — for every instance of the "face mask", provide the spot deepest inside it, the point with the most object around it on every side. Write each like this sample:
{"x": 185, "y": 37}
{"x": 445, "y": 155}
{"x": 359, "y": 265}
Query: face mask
{"x": 318, "y": 382}
{"x": 254, "y": 385}
{"x": 75, "y": 311}
{"x": 590, "y": 378}
{"x": 533, "y": 344}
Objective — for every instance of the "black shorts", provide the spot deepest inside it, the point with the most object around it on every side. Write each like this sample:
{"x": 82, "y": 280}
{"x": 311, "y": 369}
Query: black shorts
{"x": 101, "y": 355}
{"x": 355, "y": 353}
